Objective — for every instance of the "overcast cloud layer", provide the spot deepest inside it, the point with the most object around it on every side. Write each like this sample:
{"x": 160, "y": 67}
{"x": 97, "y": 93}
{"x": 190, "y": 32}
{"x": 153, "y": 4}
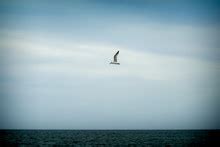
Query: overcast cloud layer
{"x": 55, "y": 71}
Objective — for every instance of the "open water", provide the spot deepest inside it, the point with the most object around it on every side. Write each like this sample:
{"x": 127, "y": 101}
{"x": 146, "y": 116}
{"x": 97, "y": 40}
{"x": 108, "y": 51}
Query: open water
{"x": 108, "y": 138}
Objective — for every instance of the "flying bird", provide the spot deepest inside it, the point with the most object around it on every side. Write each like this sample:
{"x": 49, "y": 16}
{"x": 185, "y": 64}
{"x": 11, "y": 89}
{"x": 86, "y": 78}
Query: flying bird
{"x": 115, "y": 59}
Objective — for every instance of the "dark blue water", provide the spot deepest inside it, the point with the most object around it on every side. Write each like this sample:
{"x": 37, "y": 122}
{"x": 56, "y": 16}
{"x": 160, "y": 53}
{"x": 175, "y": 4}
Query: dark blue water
{"x": 109, "y": 138}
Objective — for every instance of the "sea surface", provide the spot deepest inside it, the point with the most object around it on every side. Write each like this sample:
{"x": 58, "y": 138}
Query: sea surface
{"x": 107, "y": 138}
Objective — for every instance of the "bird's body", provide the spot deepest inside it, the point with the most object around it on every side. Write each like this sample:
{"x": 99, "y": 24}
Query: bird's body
{"x": 114, "y": 63}
{"x": 115, "y": 59}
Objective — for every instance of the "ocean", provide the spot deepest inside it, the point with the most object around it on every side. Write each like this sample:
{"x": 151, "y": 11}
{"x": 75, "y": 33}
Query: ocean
{"x": 108, "y": 138}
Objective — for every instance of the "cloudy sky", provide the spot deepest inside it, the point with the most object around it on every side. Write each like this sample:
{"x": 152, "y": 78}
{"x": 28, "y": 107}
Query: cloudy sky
{"x": 55, "y": 71}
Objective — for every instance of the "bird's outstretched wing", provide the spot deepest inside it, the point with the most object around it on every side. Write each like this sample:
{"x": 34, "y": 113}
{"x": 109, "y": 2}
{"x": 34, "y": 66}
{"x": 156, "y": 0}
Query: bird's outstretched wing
{"x": 115, "y": 56}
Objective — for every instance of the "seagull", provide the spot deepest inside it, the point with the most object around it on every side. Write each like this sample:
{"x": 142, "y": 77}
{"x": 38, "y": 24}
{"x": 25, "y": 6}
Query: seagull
{"x": 115, "y": 59}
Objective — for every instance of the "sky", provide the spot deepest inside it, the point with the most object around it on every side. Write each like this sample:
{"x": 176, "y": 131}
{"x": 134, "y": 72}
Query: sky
{"x": 55, "y": 71}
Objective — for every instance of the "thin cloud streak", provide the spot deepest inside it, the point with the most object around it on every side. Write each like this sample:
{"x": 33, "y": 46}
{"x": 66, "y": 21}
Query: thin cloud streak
{"x": 77, "y": 59}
